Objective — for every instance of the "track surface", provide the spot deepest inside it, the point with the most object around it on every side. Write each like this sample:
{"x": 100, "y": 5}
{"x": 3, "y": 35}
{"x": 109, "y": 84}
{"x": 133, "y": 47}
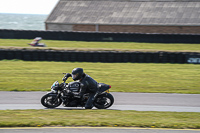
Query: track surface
{"x": 93, "y": 130}
{"x": 123, "y": 101}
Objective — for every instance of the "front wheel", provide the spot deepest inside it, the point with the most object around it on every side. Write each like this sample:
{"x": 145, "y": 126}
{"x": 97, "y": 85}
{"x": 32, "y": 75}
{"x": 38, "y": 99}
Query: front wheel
{"x": 50, "y": 101}
{"x": 104, "y": 101}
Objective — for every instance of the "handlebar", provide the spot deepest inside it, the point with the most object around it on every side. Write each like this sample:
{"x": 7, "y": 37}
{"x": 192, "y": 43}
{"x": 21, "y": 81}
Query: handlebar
{"x": 64, "y": 79}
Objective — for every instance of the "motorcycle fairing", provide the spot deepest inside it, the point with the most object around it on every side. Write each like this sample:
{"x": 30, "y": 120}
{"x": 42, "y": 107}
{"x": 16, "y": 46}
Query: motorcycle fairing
{"x": 103, "y": 87}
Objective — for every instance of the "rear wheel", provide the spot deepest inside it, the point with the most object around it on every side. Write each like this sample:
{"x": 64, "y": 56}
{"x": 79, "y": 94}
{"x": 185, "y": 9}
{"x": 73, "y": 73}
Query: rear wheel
{"x": 50, "y": 101}
{"x": 104, "y": 101}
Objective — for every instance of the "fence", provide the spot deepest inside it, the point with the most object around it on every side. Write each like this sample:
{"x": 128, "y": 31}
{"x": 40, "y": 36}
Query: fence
{"x": 100, "y": 36}
{"x": 101, "y": 56}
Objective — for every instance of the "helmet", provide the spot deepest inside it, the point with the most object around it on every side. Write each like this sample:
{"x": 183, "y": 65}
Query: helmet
{"x": 77, "y": 73}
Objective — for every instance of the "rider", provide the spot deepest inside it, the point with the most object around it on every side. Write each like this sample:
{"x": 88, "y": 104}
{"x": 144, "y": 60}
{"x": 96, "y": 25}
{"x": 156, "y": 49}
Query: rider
{"x": 88, "y": 84}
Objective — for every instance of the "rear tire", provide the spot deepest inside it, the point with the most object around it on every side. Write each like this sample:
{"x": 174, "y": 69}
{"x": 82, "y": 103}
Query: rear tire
{"x": 104, "y": 101}
{"x": 50, "y": 101}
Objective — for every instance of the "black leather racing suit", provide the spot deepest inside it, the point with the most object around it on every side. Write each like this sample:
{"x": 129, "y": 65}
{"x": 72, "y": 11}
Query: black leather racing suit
{"x": 88, "y": 85}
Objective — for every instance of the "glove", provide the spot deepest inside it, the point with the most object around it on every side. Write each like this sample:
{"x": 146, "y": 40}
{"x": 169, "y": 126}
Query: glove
{"x": 68, "y": 75}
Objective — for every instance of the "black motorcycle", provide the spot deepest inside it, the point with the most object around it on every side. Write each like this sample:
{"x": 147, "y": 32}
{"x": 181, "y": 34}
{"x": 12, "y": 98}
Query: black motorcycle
{"x": 65, "y": 93}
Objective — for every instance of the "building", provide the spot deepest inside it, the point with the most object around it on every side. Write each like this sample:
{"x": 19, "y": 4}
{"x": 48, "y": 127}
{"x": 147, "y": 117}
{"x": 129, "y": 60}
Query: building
{"x": 133, "y": 16}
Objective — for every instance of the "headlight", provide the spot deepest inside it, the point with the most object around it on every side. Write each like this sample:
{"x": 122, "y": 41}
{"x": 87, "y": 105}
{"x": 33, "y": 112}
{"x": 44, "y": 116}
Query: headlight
{"x": 55, "y": 86}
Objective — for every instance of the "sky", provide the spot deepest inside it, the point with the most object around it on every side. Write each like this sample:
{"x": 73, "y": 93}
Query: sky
{"x": 27, "y": 6}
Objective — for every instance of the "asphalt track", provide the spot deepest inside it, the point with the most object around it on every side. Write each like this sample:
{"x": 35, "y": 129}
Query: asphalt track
{"x": 123, "y": 101}
{"x": 94, "y": 130}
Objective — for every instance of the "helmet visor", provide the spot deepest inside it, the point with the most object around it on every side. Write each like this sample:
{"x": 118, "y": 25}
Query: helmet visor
{"x": 74, "y": 76}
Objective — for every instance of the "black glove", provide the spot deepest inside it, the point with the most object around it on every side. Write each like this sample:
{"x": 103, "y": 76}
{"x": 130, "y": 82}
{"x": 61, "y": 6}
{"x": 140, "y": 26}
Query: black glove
{"x": 68, "y": 75}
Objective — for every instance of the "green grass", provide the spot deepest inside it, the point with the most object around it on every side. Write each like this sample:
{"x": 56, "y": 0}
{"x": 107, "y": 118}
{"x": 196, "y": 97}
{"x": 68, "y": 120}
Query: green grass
{"x": 123, "y": 77}
{"x": 119, "y": 46}
{"x": 108, "y": 118}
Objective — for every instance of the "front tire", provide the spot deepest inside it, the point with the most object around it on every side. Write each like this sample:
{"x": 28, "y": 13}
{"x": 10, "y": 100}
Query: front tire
{"x": 50, "y": 101}
{"x": 104, "y": 101}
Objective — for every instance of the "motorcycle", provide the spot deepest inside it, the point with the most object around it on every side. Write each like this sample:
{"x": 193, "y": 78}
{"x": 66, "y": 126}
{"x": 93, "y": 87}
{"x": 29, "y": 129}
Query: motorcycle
{"x": 65, "y": 93}
{"x": 35, "y": 42}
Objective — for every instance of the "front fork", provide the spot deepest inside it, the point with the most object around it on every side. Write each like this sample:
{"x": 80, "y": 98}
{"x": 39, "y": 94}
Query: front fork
{"x": 55, "y": 96}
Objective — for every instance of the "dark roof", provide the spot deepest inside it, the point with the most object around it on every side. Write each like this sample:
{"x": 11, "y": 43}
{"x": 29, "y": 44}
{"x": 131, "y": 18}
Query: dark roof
{"x": 127, "y": 12}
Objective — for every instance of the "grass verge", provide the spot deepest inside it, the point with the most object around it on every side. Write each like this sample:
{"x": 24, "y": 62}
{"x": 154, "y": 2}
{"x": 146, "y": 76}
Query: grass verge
{"x": 108, "y": 118}
{"x": 94, "y": 46}
{"x": 123, "y": 77}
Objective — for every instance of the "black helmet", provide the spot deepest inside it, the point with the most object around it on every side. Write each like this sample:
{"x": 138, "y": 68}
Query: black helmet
{"x": 77, "y": 73}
